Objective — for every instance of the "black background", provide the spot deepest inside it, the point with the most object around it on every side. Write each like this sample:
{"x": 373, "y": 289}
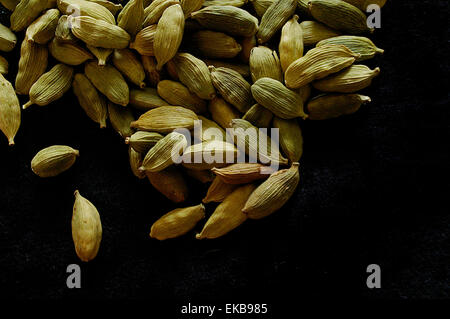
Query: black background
{"x": 374, "y": 189}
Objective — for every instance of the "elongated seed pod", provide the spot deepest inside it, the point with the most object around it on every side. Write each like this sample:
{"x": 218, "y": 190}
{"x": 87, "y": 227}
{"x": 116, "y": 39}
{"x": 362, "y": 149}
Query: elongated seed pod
{"x": 218, "y": 191}
{"x": 53, "y": 160}
{"x": 27, "y": 11}
{"x": 259, "y": 116}
{"x": 169, "y": 182}
{"x": 362, "y": 4}
{"x": 146, "y": 99}
{"x": 68, "y": 53}
{"x": 101, "y": 54}
{"x": 234, "y": 3}
{"x": 247, "y": 45}
{"x": 361, "y": 45}
{"x": 99, "y": 33}
{"x": 291, "y": 43}
{"x": 281, "y": 101}
{"x": 9, "y": 110}
{"x": 272, "y": 194}
{"x": 334, "y": 105}
{"x": 228, "y": 215}
{"x": 86, "y": 228}
{"x": 51, "y": 86}
{"x": 222, "y": 112}
{"x": 90, "y": 100}
{"x": 264, "y": 63}
{"x": 63, "y": 32}
{"x": 165, "y": 119}
{"x": 111, "y": 6}
{"x": 10, "y": 4}
{"x": 215, "y": 45}
{"x": 274, "y": 18}
{"x": 108, "y": 81}
{"x": 8, "y": 39}
{"x": 291, "y": 138}
{"x": 143, "y": 43}
{"x": 314, "y": 32}
{"x": 142, "y": 141}
{"x": 194, "y": 73}
{"x": 135, "y": 160}
{"x": 169, "y": 34}
{"x": 229, "y": 19}
{"x": 209, "y": 154}
{"x": 317, "y": 64}
{"x": 121, "y": 118}
{"x": 190, "y": 6}
{"x": 153, "y": 75}
{"x": 4, "y": 65}
{"x": 42, "y": 30}
{"x": 129, "y": 65}
{"x": 86, "y": 8}
{"x": 177, "y": 222}
{"x": 261, "y": 6}
{"x": 210, "y": 130}
{"x": 177, "y": 94}
{"x": 233, "y": 88}
{"x": 32, "y": 64}
{"x": 131, "y": 17}
{"x": 243, "y": 173}
{"x": 242, "y": 69}
{"x": 155, "y": 10}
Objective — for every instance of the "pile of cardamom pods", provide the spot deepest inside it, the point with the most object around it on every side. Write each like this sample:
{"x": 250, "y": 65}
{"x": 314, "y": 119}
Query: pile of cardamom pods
{"x": 156, "y": 67}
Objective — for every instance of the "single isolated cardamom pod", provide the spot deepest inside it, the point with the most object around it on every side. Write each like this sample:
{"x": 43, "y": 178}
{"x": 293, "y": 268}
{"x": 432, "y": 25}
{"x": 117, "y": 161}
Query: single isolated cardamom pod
{"x": 146, "y": 99}
{"x": 177, "y": 222}
{"x": 218, "y": 191}
{"x": 8, "y": 39}
{"x": 135, "y": 162}
{"x": 243, "y": 173}
{"x": 242, "y": 69}
{"x": 101, "y": 54}
{"x": 314, "y": 32}
{"x": 361, "y": 45}
{"x": 27, "y": 11}
{"x": 209, "y": 154}
{"x": 215, "y": 45}
{"x": 273, "y": 193}
{"x": 177, "y": 94}
{"x": 53, "y": 160}
{"x": 69, "y": 53}
{"x": 42, "y": 30}
{"x": 330, "y": 106}
{"x": 264, "y": 63}
{"x": 165, "y": 119}
{"x": 86, "y": 228}
{"x": 142, "y": 141}
{"x": 291, "y": 138}
{"x": 153, "y": 13}
{"x": 86, "y": 8}
{"x": 274, "y": 18}
{"x": 129, "y": 65}
{"x": 291, "y": 43}
{"x": 121, "y": 118}
{"x": 171, "y": 183}
{"x": 9, "y": 110}
{"x": 259, "y": 116}
{"x": 4, "y": 65}
{"x": 143, "y": 43}
{"x": 222, "y": 112}
{"x": 228, "y": 215}
{"x": 131, "y": 17}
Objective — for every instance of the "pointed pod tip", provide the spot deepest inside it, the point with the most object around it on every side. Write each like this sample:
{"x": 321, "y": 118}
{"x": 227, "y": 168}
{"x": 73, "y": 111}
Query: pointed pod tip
{"x": 11, "y": 142}
{"x": 76, "y": 193}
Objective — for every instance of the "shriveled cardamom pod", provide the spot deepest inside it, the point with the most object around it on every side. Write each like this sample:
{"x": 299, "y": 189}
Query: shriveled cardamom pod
{"x": 314, "y": 32}
{"x": 69, "y": 53}
{"x": 190, "y": 6}
{"x": 53, "y": 160}
{"x": 274, "y": 18}
{"x": 362, "y": 4}
{"x": 153, "y": 13}
{"x": 42, "y": 30}
{"x": 146, "y": 99}
{"x": 291, "y": 138}
{"x": 165, "y": 152}
{"x": 210, "y": 131}
{"x": 51, "y": 86}
{"x": 205, "y": 176}
{"x": 111, "y": 6}
{"x": 10, "y": 4}
{"x": 277, "y": 98}
{"x": 86, "y": 8}
{"x": 234, "y": 3}
{"x": 222, "y": 112}
{"x": 273, "y": 193}
{"x": 177, "y": 94}
{"x": 247, "y": 45}
{"x": 8, "y": 39}
{"x": 154, "y": 76}
{"x": 169, "y": 34}
{"x": 9, "y": 110}
{"x": 330, "y": 106}
{"x": 228, "y": 215}
{"x": 121, "y": 118}
{"x": 143, "y": 43}
{"x": 362, "y": 45}
{"x": 242, "y": 69}
{"x": 129, "y": 65}
{"x": 63, "y": 32}
{"x": 229, "y": 19}
{"x": 4, "y": 65}
{"x": 243, "y": 173}
{"x": 350, "y": 80}
{"x": 99, "y": 33}
{"x": 215, "y": 45}
{"x": 165, "y": 119}
{"x": 135, "y": 159}
{"x": 177, "y": 222}
{"x": 232, "y": 87}
{"x": 86, "y": 228}
{"x": 291, "y": 43}
{"x": 317, "y": 64}
{"x": 131, "y": 17}
{"x": 218, "y": 191}
{"x": 261, "y": 6}
{"x": 27, "y": 11}
{"x": 90, "y": 100}
{"x": 109, "y": 81}
{"x": 101, "y": 54}
{"x": 259, "y": 116}
{"x": 169, "y": 182}
{"x": 142, "y": 141}
{"x": 32, "y": 64}
{"x": 194, "y": 73}
{"x": 209, "y": 154}
{"x": 264, "y": 63}
{"x": 339, "y": 15}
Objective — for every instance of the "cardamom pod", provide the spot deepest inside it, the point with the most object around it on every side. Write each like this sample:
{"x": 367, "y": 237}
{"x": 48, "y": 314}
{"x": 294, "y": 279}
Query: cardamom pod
{"x": 210, "y": 131}
{"x": 131, "y": 17}
{"x": 4, "y": 65}
{"x": 273, "y": 193}
{"x": 190, "y": 6}
{"x": 53, "y": 160}
{"x": 213, "y": 44}
{"x": 10, "y": 4}
{"x": 317, "y": 64}
{"x": 261, "y": 6}
{"x": 154, "y": 76}
{"x": 362, "y": 45}
{"x": 165, "y": 119}
{"x": 218, "y": 191}
{"x": 264, "y": 63}
{"x": 129, "y": 65}
{"x": 274, "y": 18}
{"x": 42, "y": 30}
{"x": 109, "y": 81}
{"x": 304, "y": 92}
{"x": 121, "y": 118}
{"x": 101, "y": 54}
{"x": 177, "y": 222}
{"x": 146, "y": 99}
{"x": 27, "y": 11}
{"x": 362, "y": 4}
{"x": 247, "y": 45}
{"x": 259, "y": 116}
{"x": 154, "y": 12}
{"x": 243, "y": 173}
{"x": 165, "y": 152}
{"x": 222, "y": 112}
{"x": 277, "y": 98}
{"x": 242, "y": 69}
{"x": 8, "y": 39}
{"x": 350, "y": 80}
{"x": 234, "y": 3}
{"x": 228, "y": 215}
{"x": 69, "y": 53}
{"x": 51, "y": 86}
{"x": 142, "y": 141}
{"x": 229, "y": 19}
{"x": 135, "y": 159}
{"x": 176, "y": 93}
{"x": 63, "y": 32}
{"x": 291, "y": 138}
{"x": 331, "y": 106}
{"x": 90, "y": 100}
{"x": 169, "y": 34}
{"x": 143, "y": 43}
{"x": 169, "y": 182}
{"x": 209, "y": 154}
{"x": 314, "y": 32}
{"x": 111, "y": 6}
{"x": 86, "y": 228}
{"x": 291, "y": 43}
{"x": 9, "y": 110}
{"x": 205, "y": 176}
{"x": 86, "y": 8}
{"x": 232, "y": 87}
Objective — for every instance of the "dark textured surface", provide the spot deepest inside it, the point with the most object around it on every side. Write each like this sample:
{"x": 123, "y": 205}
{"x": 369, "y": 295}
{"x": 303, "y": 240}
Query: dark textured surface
{"x": 375, "y": 189}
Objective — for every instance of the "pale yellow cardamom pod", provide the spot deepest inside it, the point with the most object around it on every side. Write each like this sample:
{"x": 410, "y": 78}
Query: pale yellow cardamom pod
{"x": 131, "y": 17}
{"x": 154, "y": 12}
{"x": 42, "y": 30}
{"x": 361, "y": 45}
{"x": 314, "y": 32}
{"x": 330, "y": 106}
{"x": 169, "y": 182}
{"x": 234, "y": 3}
{"x": 274, "y": 18}
{"x": 69, "y": 53}
{"x": 218, "y": 191}
{"x": 53, "y": 160}
{"x": 165, "y": 119}
{"x": 129, "y": 65}
{"x": 176, "y": 93}
{"x": 9, "y": 110}
{"x": 27, "y": 11}
{"x": 264, "y": 63}
{"x": 8, "y": 39}
{"x": 142, "y": 141}
{"x": 209, "y": 154}
{"x": 86, "y": 8}
{"x": 146, "y": 99}
{"x": 215, "y": 45}
{"x": 243, "y": 173}
{"x": 291, "y": 138}
{"x": 291, "y": 43}
{"x": 143, "y": 43}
